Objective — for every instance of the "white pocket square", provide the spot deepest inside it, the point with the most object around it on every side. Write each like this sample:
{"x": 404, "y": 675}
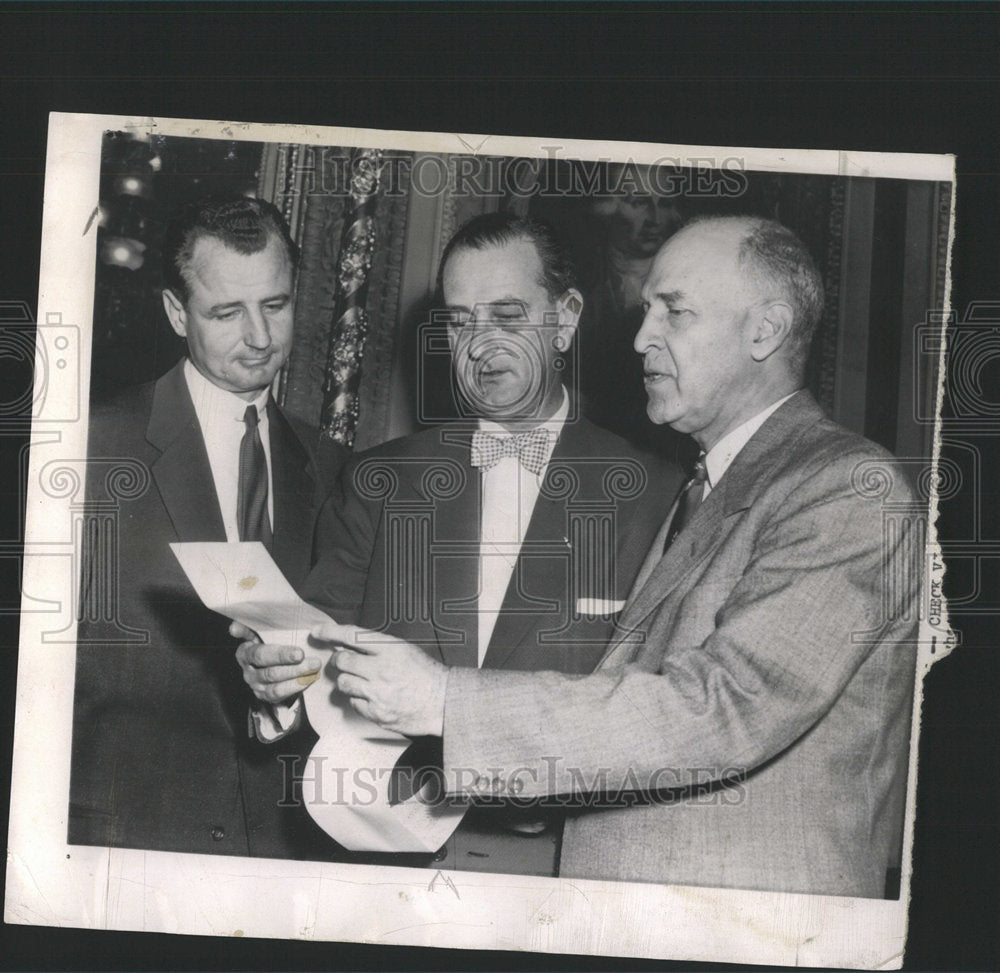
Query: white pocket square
{"x": 598, "y": 606}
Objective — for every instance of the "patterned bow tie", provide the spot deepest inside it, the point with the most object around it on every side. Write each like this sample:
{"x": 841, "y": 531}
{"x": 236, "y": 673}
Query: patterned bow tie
{"x": 531, "y": 448}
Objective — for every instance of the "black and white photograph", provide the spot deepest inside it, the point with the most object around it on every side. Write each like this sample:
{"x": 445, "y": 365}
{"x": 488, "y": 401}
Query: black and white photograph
{"x": 499, "y": 488}
{"x": 544, "y": 522}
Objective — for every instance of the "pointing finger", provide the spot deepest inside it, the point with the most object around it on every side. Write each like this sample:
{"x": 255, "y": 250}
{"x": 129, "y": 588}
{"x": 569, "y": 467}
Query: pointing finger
{"x": 347, "y": 660}
{"x": 360, "y": 639}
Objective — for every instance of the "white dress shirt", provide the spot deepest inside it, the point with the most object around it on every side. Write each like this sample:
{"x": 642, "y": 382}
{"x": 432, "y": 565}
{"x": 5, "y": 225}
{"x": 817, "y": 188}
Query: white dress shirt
{"x": 509, "y": 493}
{"x": 220, "y": 415}
{"x": 722, "y": 454}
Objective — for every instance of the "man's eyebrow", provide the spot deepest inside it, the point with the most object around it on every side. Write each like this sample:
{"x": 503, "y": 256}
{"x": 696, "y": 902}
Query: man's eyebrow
{"x": 499, "y": 302}
{"x": 509, "y": 299}
{"x": 669, "y": 297}
{"x": 227, "y": 305}
{"x": 215, "y": 308}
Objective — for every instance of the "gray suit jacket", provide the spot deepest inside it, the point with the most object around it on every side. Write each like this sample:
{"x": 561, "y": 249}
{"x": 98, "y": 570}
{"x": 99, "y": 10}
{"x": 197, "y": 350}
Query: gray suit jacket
{"x": 748, "y": 724}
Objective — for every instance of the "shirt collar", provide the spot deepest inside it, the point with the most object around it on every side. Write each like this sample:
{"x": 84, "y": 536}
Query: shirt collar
{"x": 212, "y": 403}
{"x": 722, "y": 454}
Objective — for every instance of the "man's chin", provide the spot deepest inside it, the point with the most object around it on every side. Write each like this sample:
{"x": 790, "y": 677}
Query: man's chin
{"x": 507, "y": 412}
{"x": 259, "y": 375}
{"x": 502, "y": 405}
{"x": 661, "y": 415}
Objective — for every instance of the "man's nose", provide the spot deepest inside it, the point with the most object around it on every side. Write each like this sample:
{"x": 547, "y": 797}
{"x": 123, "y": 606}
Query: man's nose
{"x": 648, "y": 336}
{"x": 258, "y": 332}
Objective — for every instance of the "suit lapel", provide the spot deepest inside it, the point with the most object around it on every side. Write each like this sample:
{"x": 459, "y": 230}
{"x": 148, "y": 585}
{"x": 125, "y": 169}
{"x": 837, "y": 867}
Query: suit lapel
{"x": 182, "y": 472}
{"x": 699, "y": 539}
{"x": 655, "y": 553}
{"x": 294, "y": 494}
{"x": 739, "y": 487}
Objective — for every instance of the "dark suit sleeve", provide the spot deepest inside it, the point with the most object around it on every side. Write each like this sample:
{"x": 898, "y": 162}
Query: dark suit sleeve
{"x": 344, "y": 542}
{"x": 330, "y": 458}
{"x": 779, "y": 654}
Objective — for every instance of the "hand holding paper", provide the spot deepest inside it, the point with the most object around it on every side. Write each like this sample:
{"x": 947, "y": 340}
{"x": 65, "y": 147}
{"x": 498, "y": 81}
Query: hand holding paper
{"x": 274, "y": 673}
{"x": 346, "y": 783}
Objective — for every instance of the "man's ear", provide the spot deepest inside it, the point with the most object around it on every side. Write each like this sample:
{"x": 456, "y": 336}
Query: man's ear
{"x": 176, "y": 314}
{"x": 772, "y": 326}
{"x": 568, "y": 307}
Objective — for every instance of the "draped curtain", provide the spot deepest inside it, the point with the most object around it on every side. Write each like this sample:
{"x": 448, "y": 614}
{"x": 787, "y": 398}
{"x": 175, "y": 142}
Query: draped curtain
{"x": 370, "y": 245}
{"x": 350, "y": 223}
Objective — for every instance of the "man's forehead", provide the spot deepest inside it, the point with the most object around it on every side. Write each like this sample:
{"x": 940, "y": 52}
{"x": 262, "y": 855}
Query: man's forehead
{"x": 501, "y": 270}
{"x": 718, "y": 244}
{"x": 212, "y": 261}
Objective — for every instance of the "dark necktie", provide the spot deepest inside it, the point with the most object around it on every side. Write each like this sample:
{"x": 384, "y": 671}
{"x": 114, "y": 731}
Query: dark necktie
{"x": 531, "y": 448}
{"x": 251, "y": 504}
{"x": 689, "y": 501}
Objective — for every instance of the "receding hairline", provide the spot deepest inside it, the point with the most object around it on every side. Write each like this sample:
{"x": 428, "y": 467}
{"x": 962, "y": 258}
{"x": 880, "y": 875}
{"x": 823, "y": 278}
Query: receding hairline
{"x": 737, "y": 231}
{"x": 487, "y": 245}
{"x": 195, "y": 255}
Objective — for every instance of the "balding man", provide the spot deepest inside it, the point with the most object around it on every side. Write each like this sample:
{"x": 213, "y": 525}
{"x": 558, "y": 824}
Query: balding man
{"x": 748, "y": 723}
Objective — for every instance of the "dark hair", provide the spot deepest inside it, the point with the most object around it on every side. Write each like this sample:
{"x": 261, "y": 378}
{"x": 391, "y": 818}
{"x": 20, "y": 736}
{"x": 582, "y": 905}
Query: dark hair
{"x": 499, "y": 229}
{"x": 240, "y": 223}
{"x": 777, "y": 259}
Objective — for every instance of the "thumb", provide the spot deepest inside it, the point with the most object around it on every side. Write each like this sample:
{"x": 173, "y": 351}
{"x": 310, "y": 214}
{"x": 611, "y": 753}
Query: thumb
{"x": 240, "y": 631}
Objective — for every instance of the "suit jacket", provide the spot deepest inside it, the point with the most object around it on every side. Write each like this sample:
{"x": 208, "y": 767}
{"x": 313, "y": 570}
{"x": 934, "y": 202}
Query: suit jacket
{"x": 398, "y": 551}
{"x": 161, "y": 756}
{"x": 748, "y": 725}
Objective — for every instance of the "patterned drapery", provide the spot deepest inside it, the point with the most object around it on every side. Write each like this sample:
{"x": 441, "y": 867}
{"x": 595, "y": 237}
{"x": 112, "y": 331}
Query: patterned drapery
{"x": 339, "y": 413}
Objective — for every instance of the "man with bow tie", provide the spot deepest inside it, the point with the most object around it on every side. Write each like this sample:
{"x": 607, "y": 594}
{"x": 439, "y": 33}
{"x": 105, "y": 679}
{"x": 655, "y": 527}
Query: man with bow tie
{"x": 505, "y": 540}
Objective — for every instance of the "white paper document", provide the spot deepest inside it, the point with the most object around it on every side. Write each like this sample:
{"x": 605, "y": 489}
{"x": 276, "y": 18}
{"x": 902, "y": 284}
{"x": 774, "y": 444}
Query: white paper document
{"x": 346, "y": 779}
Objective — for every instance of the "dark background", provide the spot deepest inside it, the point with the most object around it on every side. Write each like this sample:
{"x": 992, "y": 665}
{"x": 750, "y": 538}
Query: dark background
{"x": 895, "y": 77}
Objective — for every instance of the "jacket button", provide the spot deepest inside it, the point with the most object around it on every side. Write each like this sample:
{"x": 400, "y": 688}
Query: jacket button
{"x": 441, "y": 854}
{"x": 218, "y": 833}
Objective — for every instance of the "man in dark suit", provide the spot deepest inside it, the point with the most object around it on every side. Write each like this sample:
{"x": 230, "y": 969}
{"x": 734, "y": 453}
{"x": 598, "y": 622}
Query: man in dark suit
{"x": 161, "y": 755}
{"x": 748, "y": 724}
{"x": 507, "y": 541}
